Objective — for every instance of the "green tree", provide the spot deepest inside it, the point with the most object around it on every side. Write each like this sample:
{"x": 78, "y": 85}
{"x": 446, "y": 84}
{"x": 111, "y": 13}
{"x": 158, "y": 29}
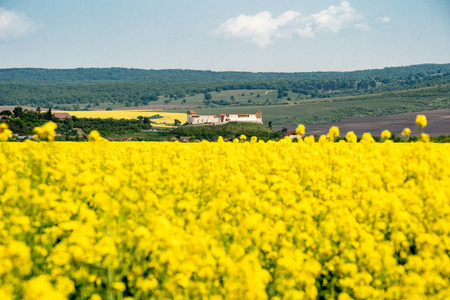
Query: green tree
{"x": 6, "y": 113}
{"x": 48, "y": 115}
{"x": 18, "y": 111}
{"x": 208, "y": 96}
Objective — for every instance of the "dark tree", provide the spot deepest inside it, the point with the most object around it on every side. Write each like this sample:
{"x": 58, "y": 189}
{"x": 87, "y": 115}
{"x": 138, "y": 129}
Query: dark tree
{"x": 18, "y": 111}
{"x": 6, "y": 113}
{"x": 208, "y": 96}
{"x": 48, "y": 115}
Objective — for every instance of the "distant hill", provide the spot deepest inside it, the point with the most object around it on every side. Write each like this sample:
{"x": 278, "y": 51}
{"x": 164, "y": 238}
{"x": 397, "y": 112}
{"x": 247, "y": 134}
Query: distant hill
{"x": 284, "y": 98}
{"x": 124, "y": 75}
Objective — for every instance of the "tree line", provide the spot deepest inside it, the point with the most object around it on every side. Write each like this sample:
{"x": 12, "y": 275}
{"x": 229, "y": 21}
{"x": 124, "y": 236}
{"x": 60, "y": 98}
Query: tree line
{"x": 22, "y": 122}
{"x": 17, "y": 87}
{"x": 117, "y": 75}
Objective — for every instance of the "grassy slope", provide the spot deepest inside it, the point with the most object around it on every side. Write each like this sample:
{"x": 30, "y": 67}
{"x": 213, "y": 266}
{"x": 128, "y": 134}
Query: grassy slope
{"x": 312, "y": 111}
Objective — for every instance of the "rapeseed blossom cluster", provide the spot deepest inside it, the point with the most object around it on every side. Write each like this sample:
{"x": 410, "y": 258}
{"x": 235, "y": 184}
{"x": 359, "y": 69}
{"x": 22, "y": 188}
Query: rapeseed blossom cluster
{"x": 406, "y": 132}
{"x": 421, "y": 121}
{"x": 46, "y": 132}
{"x": 94, "y": 136}
{"x": 5, "y": 133}
{"x": 386, "y": 134}
{"x": 243, "y": 220}
{"x": 300, "y": 129}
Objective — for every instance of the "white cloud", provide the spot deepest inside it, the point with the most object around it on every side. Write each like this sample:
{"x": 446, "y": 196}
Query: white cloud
{"x": 362, "y": 26}
{"x": 259, "y": 28}
{"x": 13, "y": 25}
{"x": 262, "y": 29}
{"x": 384, "y": 19}
{"x": 306, "y": 31}
{"x": 337, "y": 17}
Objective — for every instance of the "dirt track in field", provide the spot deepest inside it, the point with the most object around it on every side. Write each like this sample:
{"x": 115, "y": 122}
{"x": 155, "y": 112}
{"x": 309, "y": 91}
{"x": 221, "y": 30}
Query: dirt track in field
{"x": 158, "y": 106}
{"x": 11, "y": 108}
{"x": 438, "y": 124}
{"x": 143, "y": 107}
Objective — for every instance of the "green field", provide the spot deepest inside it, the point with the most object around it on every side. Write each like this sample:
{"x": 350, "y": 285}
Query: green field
{"x": 228, "y": 98}
{"x": 283, "y": 98}
{"x": 313, "y": 111}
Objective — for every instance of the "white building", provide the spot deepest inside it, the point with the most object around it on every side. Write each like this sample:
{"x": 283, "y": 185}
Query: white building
{"x": 193, "y": 118}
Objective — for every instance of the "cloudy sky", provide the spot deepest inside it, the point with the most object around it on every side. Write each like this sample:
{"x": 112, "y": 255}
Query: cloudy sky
{"x": 224, "y": 35}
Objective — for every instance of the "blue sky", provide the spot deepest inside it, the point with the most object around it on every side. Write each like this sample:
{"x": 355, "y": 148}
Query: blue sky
{"x": 224, "y": 35}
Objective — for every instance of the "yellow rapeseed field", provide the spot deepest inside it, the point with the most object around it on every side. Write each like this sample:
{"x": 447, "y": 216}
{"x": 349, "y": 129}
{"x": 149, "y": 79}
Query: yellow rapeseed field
{"x": 130, "y": 114}
{"x": 241, "y": 220}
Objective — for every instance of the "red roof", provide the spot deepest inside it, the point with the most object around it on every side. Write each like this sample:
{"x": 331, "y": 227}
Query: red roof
{"x": 191, "y": 112}
{"x": 223, "y": 115}
{"x": 63, "y": 115}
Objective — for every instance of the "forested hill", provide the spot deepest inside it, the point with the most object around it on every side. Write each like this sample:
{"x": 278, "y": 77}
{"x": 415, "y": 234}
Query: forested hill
{"x": 123, "y": 75}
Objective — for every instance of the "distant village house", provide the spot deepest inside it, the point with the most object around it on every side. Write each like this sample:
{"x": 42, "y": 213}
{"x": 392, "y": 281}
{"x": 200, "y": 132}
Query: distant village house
{"x": 62, "y": 115}
{"x": 193, "y": 118}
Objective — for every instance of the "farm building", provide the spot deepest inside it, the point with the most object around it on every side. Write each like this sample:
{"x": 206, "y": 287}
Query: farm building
{"x": 62, "y": 115}
{"x": 193, "y": 118}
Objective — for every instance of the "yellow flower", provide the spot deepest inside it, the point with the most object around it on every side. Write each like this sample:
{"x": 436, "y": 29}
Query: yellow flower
{"x": 322, "y": 139}
{"x": 351, "y": 137}
{"x": 385, "y": 134}
{"x": 118, "y": 285}
{"x": 5, "y": 133}
{"x": 425, "y": 138}
{"x": 300, "y": 129}
{"x": 242, "y": 137}
{"x": 46, "y": 131}
{"x": 94, "y": 136}
{"x": 40, "y": 288}
{"x": 310, "y": 139}
{"x": 212, "y": 220}
{"x": 406, "y": 132}
{"x": 334, "y": 132}
{"x": 5, "y": 294}
{"x": 96, "y": 297}
{"x": 367, "y": 138}
{"x": 421, "y": 120}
